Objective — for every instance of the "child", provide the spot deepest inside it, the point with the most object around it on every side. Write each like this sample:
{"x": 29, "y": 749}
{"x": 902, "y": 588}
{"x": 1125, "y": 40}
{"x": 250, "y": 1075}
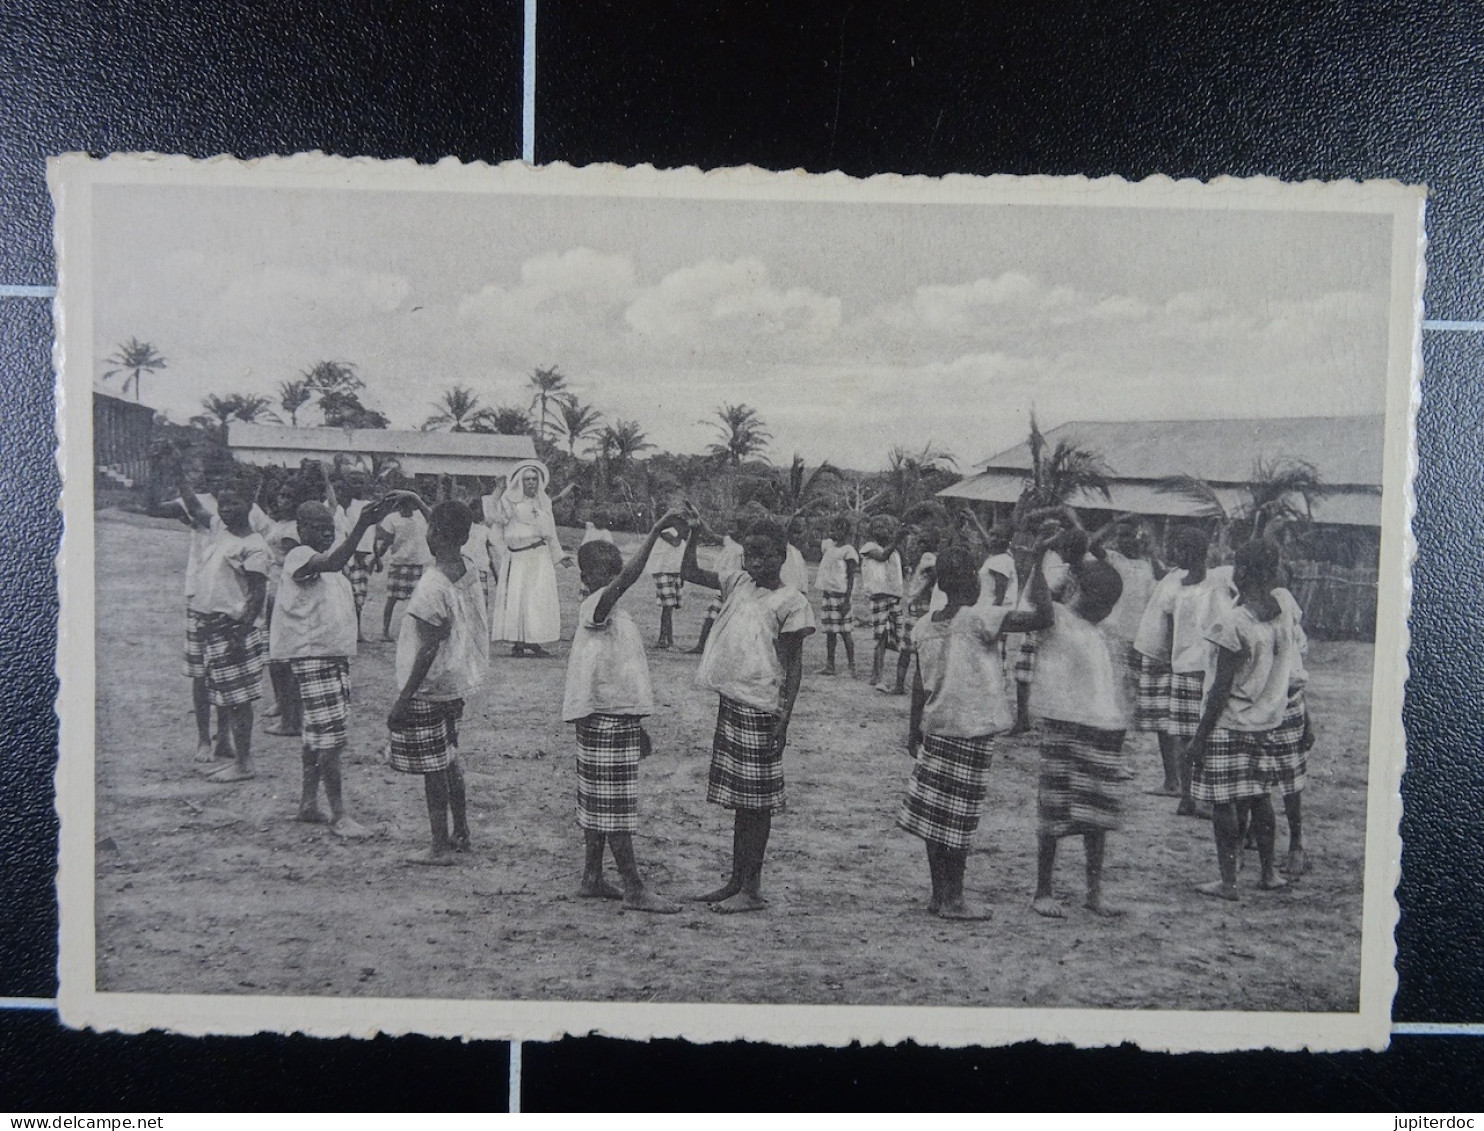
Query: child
{"x": 442, "y": 656}
{"x": 1054, "y": 568}
{"x": 730, "y": 558}
{"x": 754, "y": 662}
{"x": 231, "y": 584}
{"x": 402, "y": 539}
{"x": 281, "y": 534}
{"x": 916, "y": 601}
{"x": 314, "y": 632}
{"x": 1294, "y": 740}
{"x": 195, "y": 658}
{"x": 664, "y": 567}
{"x": 482, "y": 548}
{"x": 358, "y": 568}
{"x": 608, "y": 695}
{"x": 1081, "y": 697}
{"x": 881, "y": 578}
{"x": 839, "y": 562}
{"x": 958, "y": 707}
{"x": 795, "y": 571}
{"x": 997, "y": 580}
{"x": 1245, "y": 740}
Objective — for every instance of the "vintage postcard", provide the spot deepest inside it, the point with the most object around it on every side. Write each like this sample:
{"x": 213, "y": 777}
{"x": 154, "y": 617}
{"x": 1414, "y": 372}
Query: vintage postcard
{"x": 507, "y": 602}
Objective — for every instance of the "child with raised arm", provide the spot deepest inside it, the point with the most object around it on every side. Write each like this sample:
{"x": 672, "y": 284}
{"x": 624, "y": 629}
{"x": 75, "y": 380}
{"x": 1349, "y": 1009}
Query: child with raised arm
{"x": 402, "y": 539}
{"x": 195, "y": 629}
{"x": 881, "y": 579}
{"x": 442, "y": 657}
{"x": 608, "y": 695}
{"x": 355, "y": 499}
{"x": 754, "y": 662}
{"x": 1245, "y": 741}
{"x": 839, "y": 562}
{"x": 314, "y": 633}
{"x": 916, "y": 599}
{"x": 1082, "y": 699}
{"x": 958, "y": 707}
{"x": 231, "y": 585}
{"x": 730, "y": 558}
{"x": 664, "y": 567}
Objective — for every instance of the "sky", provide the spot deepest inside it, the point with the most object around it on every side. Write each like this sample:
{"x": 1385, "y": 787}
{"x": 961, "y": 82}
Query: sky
{"x": 851, "y": 328}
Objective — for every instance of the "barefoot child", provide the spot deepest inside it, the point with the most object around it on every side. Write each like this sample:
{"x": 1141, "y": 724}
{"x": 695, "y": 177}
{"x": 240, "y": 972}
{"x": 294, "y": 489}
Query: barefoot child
{"x": 442, "y": 657}
{"x": 1241, "y": 746}
{"x": 231, "y": 584}
{"x": 1081, "y": 697}
{"x": 195, "y": 629}
{"x": 314, "y": 633}
{"x": 916, "y": 600}
{"x": 358, "y": 568}
{"x": 839, "y": 562}
{"x": 881, "y": 578}
{"x": 608, "y": 695}
{"x": 958, "y": 707}
{"x": 402, "y": 539}
{"x": 664, "y": 567}
{"x": 754, "y": 662}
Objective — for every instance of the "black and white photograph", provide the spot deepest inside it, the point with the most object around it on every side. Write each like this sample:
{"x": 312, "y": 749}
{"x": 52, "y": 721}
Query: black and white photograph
{"x": 506, "y": 602}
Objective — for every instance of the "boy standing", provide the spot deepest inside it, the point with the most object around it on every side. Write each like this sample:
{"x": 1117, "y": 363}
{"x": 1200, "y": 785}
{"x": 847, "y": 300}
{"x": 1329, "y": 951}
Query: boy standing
{"x": 608, "y": 694}
{"x": 754, "y": 663}
{"x": 403, "y": 541}
{"x": 195, "y": 658}
{"x": 881, "y": 578}
{"x": 839, "y": 562}
{"x": 442, "y": 656}
{"x": 664, "y": 567}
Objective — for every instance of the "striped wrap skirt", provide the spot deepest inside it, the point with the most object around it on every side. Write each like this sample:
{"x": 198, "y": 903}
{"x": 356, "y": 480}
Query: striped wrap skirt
{"x": 945, "y": 793}
{"x": 1025, "y": 658}
{"x": 834, "y": 612}
{"x": 886, "y": 618}
{"x": 358, "y": 570}
{"x": 235, "y": 658}
{"x": 1236, "y": 765}
{"x": 608, "y": 752}
{"x": 1152, "y": 698}
{"x": 746, "y": 764}
{"x": 195, "y": 645}
{"x": 402, "y": 579}
{"x": 667, "y": 588}
{"x": 915, "y": 612}
{"x": 1078, "y": 790}
{"x": 1183, "y": 713}
{"x": 324, "y": 692}
{"x": 430, "y": 738}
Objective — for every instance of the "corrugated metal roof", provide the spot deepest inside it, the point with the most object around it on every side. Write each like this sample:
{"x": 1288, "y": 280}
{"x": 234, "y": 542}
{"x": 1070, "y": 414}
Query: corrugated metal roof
{"x": 1345, "y": 449}
{"x": 378, "y": 441}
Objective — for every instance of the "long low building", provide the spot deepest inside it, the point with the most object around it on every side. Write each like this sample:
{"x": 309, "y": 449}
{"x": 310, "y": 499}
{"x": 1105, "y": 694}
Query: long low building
{"x": 1346, "y": 451}
{"x": 483, "y": 455}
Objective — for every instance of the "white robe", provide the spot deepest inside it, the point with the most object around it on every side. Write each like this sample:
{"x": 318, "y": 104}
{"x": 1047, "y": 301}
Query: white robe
{"x": 526, "y": 610}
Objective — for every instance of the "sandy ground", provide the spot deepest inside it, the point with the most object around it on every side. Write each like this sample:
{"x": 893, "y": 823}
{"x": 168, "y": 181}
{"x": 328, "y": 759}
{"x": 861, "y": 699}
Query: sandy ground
{"x": 205, "y": 888}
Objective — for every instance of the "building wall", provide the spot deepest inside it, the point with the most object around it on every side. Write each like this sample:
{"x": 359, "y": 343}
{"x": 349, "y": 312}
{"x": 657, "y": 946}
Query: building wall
{"x": 122, "y": 434}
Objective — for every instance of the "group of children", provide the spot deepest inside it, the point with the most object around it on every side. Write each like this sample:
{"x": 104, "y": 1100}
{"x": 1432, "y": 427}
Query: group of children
{"x": 1209, "y": 659}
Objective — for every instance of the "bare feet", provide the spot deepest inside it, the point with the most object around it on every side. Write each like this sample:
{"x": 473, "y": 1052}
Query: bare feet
{"x": 386, "y": 637}
{"x": 1217, "y": 889}
{"x": 696, "y": 651}
{"x": 231, "y": 773}
{"x": 281, "y": 731}
{"x": 600, "y": 890}
{"x": 739, "y": 903}
{"x": 1297, "y": 863}
{"x": 826, "y": 670}
{"x": 1104, "y": 910}
{"x": 1018, "y": 728}
{"x": 1045, "y": 906}
{"x": 204, "y": 753}
{"x": 311, "y": 815}
{"x": 433, "y": 857}
{"x": 663, "y": 645}
{"x": 460, "y": 841}
{"x": 726, "y": 891}
{"x": 347, "y": 829}
{"x": 1272, "y": 882}
{"x": 884, "y": 688}
{"x": 966, "y": 912}
{"x": 1166, "y": 790}
{"x": 273, "y": 711}
{"x": 934, "y": 905}
{"x": 646, "y": 900}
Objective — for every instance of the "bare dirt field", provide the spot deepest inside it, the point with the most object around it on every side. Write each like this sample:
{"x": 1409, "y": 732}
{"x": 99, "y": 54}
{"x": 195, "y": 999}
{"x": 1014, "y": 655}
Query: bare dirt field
{"x": 215, "y": 889}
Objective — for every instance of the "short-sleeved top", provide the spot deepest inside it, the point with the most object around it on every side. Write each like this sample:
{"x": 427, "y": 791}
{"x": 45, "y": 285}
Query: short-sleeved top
{"x": 833, "y": 573}
{"x": 1059, "y": 581}
{"x": 409, "y": 539}
{"x": 607, "y": 672}
{"x": 312, "y": 619}
{"x": 1004, "y": 566}
{"x": 881, "y": 577}
{"x": 962, "y": 673}
{"x": 463, "y": 656}
{"x": 201, "y": 537}
{"x": 1077, "y": 679}
{"x": 741, "y": 660}
{"x": 221, "y": 581}
{"x": 591, "y": 533}
{"x": 915, "y": 589}
{"x": 1138, "y": 585}
{"x": 1269, "y": 653}
{"x": 280, "y": 538}
{"x": 795, "y": 570}
{"x": 1192, "y": 609}
{"x": 666, "y": 558}
{"x": 346, "y": 518}
{"x": 478, "y": 545}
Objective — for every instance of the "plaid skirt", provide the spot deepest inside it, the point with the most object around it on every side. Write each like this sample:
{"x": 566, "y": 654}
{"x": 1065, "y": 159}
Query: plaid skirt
{"x": 667, "y": 587}
{"x": 324, "y": 691}
{"x": 401, "y": 580}
{"x": 608, "y": 749}
{"x": 195, "y": 645}
{"x": 746, "y": 764}
{"x": 915, "y": 612}
{"x": 428, "y": 741}
{"x": 1152, "y": 698}
{"x": 1187, "y": 695}
{"x": 1025, "y": 658}
{"x": 358, "y": 569}
{"x": 1240, "y": 764}
{"x": 946, "y": 791}
{"x": 886, "y": 618}
{"x": 1291, "y": 759}
{"x": 1078, "y": 791}
{"x": 234, "y": 662}
{"x": 834, "y": 612}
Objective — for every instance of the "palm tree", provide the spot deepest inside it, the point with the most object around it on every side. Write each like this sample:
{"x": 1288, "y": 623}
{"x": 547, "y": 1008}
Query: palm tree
{"x": 799, "y": 489}
{"x": 1281, "y": 490}
{"x": 743, "y": 434}
{"x": 220, "y": 409}
{"x": 579, "y": 421}
{"x": 914, "y": 476}
{"x": 292, "y": 396}
{"x": 548, "y": 384}
{"x": 504, "y": 421}
{"x": 1069, "y": 470}
{"x": 250, "y": 407}
{"x": 460, "y": 409}
{"x": 325, "y": 375}
{"x": 622, "y": 440}
{"x": 134, "y": 359}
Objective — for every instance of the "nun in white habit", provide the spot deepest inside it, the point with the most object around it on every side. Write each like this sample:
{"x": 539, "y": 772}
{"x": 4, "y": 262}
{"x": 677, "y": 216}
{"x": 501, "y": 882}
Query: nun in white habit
{"x": 527, "y": 613}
